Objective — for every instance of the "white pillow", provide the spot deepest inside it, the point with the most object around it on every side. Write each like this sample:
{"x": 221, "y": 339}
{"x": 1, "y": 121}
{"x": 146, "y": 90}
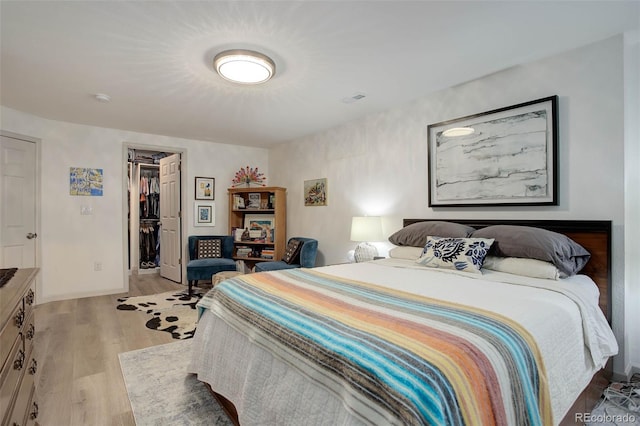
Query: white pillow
{"x": 520, "y": 266}
{"x": 405, "y": 252}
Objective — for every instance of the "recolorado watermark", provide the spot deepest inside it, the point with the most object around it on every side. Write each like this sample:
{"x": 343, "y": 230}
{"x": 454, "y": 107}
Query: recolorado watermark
{"x": 607, "y": 418}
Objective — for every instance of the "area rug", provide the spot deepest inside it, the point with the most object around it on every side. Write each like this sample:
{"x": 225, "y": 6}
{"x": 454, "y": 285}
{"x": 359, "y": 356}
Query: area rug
{"x": 173, "y": 311}
{"x": 161, "y": 391}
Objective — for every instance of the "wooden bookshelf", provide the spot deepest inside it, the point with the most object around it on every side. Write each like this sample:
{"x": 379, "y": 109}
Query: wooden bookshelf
{"x": 265, "y": 208}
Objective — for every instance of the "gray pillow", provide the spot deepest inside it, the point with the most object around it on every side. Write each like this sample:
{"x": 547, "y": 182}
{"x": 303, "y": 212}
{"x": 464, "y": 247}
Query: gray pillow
{"x": 415, "y": 235}
{"x": 536, "y": 243}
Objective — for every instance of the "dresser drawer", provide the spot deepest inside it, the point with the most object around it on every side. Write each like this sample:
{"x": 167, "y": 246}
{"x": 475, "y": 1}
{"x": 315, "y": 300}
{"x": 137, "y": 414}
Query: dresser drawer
{"x": 11, "y": 374}
{"x": 21, "y": 408}
{"x": 18, "y": 369}
{"x": 31, "y": 416}
{"x": 29, "y": 300}
{"x": 10, "y": 332}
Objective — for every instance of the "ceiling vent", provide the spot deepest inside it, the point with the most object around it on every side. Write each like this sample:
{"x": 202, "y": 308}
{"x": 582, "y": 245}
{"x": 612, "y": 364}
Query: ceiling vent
{"x": 355, "y": 97}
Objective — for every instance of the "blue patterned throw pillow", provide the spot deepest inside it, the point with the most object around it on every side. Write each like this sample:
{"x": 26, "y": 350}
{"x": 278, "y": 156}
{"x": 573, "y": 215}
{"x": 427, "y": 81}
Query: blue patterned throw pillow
{"x": 460, "y": 254}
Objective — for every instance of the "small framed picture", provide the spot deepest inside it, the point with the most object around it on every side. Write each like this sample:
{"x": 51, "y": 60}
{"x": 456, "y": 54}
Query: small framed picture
{"x": 261, "y": 227}
{"x": 315, "y": 192}
{"x": 254, "y": 200}
{"x": 205, "y": 188}
{"x": 204, "y": 214}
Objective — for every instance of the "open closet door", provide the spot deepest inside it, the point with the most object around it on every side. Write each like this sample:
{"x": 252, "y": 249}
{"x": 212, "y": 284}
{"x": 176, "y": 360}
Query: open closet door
{"x": 170, "y": 245}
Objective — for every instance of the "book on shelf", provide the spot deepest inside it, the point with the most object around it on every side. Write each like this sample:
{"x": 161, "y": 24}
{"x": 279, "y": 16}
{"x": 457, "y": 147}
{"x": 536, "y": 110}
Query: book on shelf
{"x": 267, "y": 253}
{"x": 243, "y": 251}
{"x": 238, "y": 202}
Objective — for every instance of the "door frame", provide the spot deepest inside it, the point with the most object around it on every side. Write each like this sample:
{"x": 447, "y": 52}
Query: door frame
{"x": 37, "y": 206}
{"x": 183, "y": 203}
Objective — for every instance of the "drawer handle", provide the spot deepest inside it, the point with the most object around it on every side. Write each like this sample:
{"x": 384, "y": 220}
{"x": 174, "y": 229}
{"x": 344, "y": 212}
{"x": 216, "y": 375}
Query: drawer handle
{"x": 34, "y": 413}
{"x": 18, "y": 363}
{"x": 19, "y": 318}
{"x": 34, "y": 367}
{"x": 31, "y": 332}
{"x": 30, "y": 297}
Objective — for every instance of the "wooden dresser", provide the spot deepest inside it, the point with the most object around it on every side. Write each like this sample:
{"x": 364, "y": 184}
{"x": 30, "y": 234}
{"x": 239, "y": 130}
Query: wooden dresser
{"x": 18, "y": 406}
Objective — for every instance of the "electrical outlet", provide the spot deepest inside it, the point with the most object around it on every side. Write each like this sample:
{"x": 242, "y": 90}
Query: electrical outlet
{"x": 97, "y": 266}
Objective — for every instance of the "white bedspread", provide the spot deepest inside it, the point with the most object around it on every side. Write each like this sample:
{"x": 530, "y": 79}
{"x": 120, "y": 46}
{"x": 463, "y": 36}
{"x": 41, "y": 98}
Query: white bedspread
{"x": 563, "y": 317}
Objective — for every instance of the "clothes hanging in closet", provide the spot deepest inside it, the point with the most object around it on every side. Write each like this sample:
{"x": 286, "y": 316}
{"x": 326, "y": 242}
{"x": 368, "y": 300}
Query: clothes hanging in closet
{"x": 149, "y": 194}
{"x": 149, "y": 246}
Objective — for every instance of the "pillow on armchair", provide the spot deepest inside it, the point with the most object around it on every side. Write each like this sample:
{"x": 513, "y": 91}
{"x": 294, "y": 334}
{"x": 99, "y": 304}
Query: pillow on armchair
{"x": 292, "y": 252}
{"x": 209, "y": 249}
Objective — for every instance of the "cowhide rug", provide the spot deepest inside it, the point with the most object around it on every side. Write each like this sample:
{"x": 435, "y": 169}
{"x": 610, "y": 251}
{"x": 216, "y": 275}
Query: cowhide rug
{"x": 173, "y": 311}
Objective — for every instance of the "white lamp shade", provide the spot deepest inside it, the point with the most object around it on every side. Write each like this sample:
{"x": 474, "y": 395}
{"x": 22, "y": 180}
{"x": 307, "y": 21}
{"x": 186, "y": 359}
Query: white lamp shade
{"x": 366, "y": 228}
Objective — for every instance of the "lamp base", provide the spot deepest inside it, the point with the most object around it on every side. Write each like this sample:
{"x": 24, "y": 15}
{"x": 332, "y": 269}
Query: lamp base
{"x": 365, "y": 252}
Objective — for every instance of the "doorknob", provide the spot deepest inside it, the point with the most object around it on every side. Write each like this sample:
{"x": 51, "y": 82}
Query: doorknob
{"x": 31, "y": 235}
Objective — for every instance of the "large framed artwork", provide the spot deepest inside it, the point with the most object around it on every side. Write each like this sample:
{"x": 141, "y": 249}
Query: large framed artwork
{"x": 506, "y": 156}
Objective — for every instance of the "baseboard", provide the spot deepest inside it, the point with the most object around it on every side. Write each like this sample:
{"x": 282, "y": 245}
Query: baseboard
{"x": 81, "y": 295}
{"x": 633, "y": 369}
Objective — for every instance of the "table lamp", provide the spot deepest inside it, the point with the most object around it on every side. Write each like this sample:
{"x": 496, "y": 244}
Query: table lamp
{"x": 366, "y": 229}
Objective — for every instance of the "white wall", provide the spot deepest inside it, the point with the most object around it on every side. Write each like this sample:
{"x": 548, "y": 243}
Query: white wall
{"x": 378, "y": 165}
{"x": 632, "y": 201}
{"x": 71, "y": 242}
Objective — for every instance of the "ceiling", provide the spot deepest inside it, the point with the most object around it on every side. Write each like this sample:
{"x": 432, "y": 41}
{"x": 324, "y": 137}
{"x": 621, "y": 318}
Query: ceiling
{"x": 154, "y": 59}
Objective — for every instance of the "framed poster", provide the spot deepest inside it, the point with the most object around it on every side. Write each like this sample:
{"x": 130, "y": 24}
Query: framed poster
{"x": 205, "y": 188}
{"x": 84, "y": 181}
{"x": 261, "y": 227}
{"x": 507, "y": 156}
{"x": 204, "y": 214}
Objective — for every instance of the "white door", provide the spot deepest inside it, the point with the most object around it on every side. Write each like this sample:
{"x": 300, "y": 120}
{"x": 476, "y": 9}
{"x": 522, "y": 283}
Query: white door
{"x": 170, "y": 241}
{"x": 17, "y": 203}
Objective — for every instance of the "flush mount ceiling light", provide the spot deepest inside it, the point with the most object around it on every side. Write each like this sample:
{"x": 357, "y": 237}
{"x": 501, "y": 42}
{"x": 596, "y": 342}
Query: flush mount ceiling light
{"x": 458, "y": 131}
{"x": 244, "y": 66}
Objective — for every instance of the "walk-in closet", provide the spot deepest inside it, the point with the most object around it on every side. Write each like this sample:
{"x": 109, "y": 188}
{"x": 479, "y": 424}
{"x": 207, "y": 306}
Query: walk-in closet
{"x": 144, "y": 209}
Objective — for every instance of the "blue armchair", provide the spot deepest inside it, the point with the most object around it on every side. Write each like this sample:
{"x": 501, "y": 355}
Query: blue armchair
{"x": 204, "y": 268}
{"x": 307, "y": 257}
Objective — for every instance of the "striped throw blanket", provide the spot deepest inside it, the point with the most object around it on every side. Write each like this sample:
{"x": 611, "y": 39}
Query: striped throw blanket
{"x": 393, "y": 357}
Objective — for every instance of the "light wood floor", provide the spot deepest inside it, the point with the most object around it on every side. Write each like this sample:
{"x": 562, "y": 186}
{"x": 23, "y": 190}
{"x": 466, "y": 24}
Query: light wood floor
{"x": 77, "y": 347}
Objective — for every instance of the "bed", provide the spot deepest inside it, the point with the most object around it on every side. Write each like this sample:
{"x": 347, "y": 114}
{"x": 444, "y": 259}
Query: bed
{"x": 401, "y": 341}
